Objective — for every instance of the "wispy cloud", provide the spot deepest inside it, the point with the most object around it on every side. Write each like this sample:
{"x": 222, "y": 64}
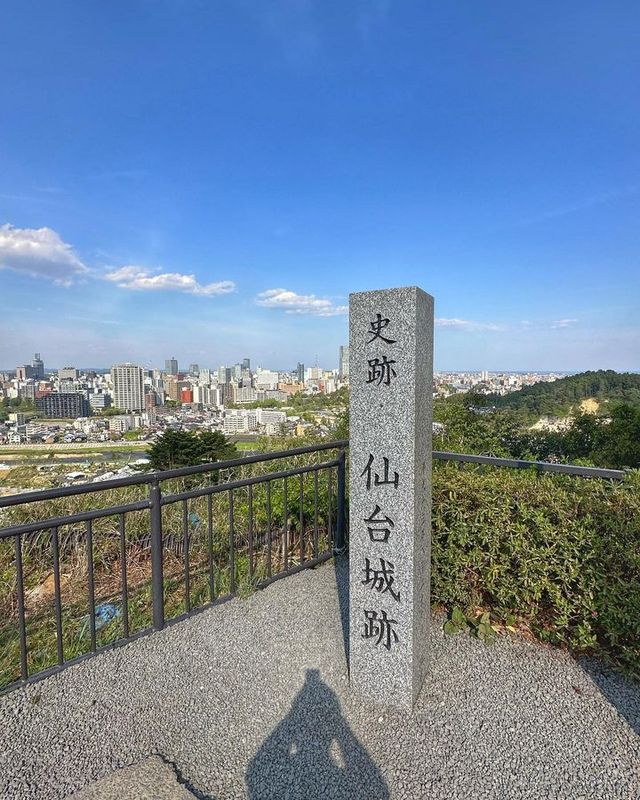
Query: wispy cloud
{"x": 42, "y": 253}
{"x": 583, "y": 204}
{"x": 39, "y": 253}
{"x": 472, "y": 326}
{"x": 143, "y": 279}
{"x": 467, "y": 324}
{"x": 292, "y": 303}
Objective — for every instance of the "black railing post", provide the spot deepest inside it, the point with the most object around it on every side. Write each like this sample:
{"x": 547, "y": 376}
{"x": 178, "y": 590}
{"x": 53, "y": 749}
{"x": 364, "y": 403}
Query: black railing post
{"x": 339, "y": 544}
{"x": 157, "y": 578}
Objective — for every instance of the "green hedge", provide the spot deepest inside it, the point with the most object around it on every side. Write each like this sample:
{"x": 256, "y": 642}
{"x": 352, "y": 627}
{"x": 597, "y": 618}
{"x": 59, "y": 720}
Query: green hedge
{"x": 559, "y": 554}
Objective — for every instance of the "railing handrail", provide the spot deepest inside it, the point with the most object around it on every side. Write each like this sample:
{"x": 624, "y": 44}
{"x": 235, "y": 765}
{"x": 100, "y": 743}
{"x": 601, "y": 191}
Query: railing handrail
{"x": 162, "y": 475}
{"x": 541, "y": 466}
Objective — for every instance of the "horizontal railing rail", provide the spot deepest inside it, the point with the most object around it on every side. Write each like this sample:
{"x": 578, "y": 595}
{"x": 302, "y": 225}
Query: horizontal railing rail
{"x": 200, "y": 543}
{"x": 82, "y": 516}
{"x": 540, "y": 466}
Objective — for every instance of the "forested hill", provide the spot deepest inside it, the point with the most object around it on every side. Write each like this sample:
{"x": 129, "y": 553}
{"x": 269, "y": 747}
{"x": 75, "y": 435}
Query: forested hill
{"x": 565, "y": 394}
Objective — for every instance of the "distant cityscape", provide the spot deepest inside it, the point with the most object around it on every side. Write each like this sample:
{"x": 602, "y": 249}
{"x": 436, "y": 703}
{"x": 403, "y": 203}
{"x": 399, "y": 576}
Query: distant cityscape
{"x": 128, "y": 400}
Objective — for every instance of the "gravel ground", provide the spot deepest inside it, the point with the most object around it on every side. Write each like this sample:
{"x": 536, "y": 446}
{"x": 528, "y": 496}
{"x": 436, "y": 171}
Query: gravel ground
{"x": 251, "y": 699}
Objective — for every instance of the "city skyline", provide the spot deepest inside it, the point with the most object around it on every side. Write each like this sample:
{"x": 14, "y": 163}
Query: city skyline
{"x": 214, "y": 367}
{"x": 225, "y": 192}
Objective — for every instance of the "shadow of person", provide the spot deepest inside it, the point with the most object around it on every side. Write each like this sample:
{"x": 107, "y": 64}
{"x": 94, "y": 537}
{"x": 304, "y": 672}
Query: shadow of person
{"x": 312, "y": 753}
{"x": 621, "y": 692}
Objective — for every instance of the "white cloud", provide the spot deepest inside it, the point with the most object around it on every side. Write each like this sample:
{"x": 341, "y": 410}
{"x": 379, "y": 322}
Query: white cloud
{"x": 143, "y": 279}
{"x": 563, "y": 323}
{"x": 39, "y": 253}
{"x": 467, "y": 325}
{"x": 292, "y": 303}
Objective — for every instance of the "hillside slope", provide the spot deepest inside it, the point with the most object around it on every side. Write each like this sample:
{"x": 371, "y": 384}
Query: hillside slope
{"x": 565, "y": 394}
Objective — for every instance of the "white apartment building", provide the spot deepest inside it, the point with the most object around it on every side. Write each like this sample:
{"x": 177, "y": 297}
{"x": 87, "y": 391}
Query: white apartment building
{"x": 128, "y": 387}
{"x": 239, "y": 422}
{"x": 270, "y": 416}
{"x": 266, "y": 379}
{"x": 67, "y": 374}
{"x": 121, "y": 424}
{"x": 246, "y": 394}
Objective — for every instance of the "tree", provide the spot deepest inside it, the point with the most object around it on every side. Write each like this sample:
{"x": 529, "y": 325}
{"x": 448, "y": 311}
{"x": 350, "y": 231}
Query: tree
{"x": 583, "y": 437}
{"x": 176, "y": 449}
{"x": 471, "y": 427}
{"x": 111, "y": 411}
{"x": 216, "y": 447}
{"x": 619, "y": 444}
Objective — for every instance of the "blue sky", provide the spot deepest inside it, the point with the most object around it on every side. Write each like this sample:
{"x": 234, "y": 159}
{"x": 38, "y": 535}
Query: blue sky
{"x": 211, "y": 179}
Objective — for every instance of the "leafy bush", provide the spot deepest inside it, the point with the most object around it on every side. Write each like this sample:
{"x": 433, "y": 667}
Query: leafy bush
{"x": 557, "y": 553}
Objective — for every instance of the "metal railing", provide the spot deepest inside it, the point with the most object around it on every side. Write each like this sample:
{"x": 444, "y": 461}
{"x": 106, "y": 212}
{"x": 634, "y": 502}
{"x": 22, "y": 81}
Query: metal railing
{"x": 538, "y": 466}
{"x": 236, "y": 531}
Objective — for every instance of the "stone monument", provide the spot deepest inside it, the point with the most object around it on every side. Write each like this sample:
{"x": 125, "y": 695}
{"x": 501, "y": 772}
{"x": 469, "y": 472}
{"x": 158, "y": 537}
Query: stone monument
{"x": 391, "y": 387}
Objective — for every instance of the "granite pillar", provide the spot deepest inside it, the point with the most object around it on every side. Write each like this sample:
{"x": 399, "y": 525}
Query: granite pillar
{"x": 390, "y": 378}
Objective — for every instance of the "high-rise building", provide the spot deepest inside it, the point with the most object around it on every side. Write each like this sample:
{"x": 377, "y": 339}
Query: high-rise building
{"x": 174, "y": 388}
{"x": 266, "y": 379}
{"x": 150, "y": 400}
{"x": 246, "y": 394}
{"x": 68, "y": 374}
{"x": 194, "y": 369}
{"x": 300, "y": 372}
{"x": 38, "y": 367}
{"x": 69, "y": 405}
{"x": 246, "y": 363}
{"x": 128, "y": 387}
{"x": 28, "y": 391}
{"x": 343, "y": 363}
{"x": 171, "y": 366}
{"x": 25, "y": 372}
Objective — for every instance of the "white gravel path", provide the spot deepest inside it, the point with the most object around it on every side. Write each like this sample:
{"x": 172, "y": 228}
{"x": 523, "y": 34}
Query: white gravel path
{"x": 251, "y": 699}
